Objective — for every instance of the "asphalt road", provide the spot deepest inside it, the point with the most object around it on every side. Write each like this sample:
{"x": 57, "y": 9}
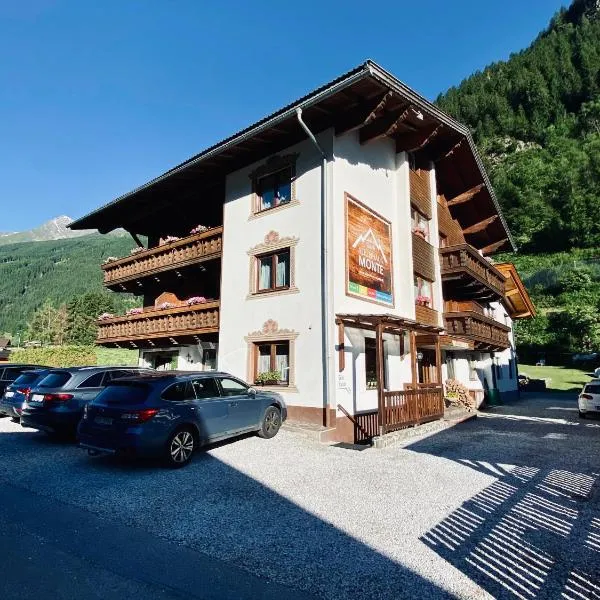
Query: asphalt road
{"x": 505, "y": 506}
{"x": 50, "y": 549}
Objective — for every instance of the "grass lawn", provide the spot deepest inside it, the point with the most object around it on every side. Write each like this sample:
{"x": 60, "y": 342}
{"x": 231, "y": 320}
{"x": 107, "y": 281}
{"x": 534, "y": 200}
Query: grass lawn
{"x": 558, "y": 379}
{"x": 116, "y": 356}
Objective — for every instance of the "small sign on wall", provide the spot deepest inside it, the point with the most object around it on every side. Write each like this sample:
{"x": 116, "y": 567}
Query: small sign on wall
{"x": 369, "y": 266}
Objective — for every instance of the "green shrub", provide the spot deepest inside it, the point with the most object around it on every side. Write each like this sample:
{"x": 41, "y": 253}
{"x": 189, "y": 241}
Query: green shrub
{"x": 56, "y": 356}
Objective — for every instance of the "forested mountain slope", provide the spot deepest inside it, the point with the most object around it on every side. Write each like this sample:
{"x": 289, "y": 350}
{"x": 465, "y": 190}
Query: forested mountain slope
{"x": 536, "y": 117}
{"x": 32, "y": 273}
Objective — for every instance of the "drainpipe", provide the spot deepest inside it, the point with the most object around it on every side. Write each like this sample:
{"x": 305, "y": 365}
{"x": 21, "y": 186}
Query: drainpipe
{"x": 324, "y": 263}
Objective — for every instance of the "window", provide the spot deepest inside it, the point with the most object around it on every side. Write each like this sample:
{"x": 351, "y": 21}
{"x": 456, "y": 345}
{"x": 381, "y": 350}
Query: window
{"x": 54, "y": 379}
{"x": 92, "y": 382}
{"x": 232, "y": 387}
{"x": 592, "y": 389}
{"x": 209, "y": 359}
{"x": 420, "y": 224}
{"x": 423, "y": 295}
{"x": 125, "y": 392}
{"x": 370, "y": 364}
{"x": 273, "y": 358}
{"x": 450, "y": 366}
{"x": 13, "y": 373}
{"x": 26, "y": 378}
{"x": 274, "y": 189}
{"x": 206, "y": 388}
{"x": 273, "y": 271}
{"x": 182, "y": 390}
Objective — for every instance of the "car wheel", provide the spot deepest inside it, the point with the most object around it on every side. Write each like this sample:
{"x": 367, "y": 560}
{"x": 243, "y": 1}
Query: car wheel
{"x": 271, "y": 423}
{"x": 180, "y": 447}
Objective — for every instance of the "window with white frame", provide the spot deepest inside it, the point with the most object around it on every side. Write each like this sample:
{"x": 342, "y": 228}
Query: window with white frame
{"x": 423, "y": 291}
{"x": 420, "y": 224}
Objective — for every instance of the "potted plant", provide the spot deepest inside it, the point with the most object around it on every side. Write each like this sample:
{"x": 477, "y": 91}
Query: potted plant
{"x": 420, "y": 230}
{"x": 423, "y": 300}
{"x": 268, "y": 378}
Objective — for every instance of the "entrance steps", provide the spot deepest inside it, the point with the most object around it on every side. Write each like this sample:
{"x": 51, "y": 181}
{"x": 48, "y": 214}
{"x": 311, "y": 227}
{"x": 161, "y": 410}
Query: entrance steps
{"x": 317, "y": 433}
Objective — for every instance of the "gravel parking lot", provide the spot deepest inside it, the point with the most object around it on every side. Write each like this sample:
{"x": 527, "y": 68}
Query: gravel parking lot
{"x": 503, "y": 506}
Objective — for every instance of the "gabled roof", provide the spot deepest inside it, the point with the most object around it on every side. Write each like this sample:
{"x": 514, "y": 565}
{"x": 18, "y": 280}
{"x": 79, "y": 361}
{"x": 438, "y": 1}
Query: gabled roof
{"x": 516, "y": 297}
{"x": 367, "y": 99}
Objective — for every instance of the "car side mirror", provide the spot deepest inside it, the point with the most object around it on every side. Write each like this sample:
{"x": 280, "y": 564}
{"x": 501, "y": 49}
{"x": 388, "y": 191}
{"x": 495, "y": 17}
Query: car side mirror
{"x": 251, "y": 392}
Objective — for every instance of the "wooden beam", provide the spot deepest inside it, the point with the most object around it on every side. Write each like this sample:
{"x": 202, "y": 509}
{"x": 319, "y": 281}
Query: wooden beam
{"x": 448, "y": 153}
{"x": 341, "y": 347}
{"x": 363, "y": 116}
{"x": 477, "y": 227}
{"x": 379, "y": 362}
{"x": 136, "y": 239}
{"x": 493, "y": 247}
{"x": 412, "y": 142}
{"x": 383, "y": 126}
{"x": 413, "y": 356}
{"x": 438, "y": 359}
{"x": 466, "y": 196}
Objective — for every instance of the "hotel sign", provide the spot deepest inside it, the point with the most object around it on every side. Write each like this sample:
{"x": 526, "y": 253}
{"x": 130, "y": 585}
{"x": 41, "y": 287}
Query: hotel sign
{"x": 368, "y": 254}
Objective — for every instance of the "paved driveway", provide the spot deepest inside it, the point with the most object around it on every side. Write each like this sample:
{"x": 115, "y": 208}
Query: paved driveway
{"x": 503, "y": 506}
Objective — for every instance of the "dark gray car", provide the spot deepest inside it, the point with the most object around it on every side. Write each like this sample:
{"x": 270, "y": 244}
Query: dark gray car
{"x": 9, "y": 372}
{"x": 56, "y": 403}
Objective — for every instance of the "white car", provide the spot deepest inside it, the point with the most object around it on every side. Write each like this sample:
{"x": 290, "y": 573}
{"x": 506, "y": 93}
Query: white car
{"x": 589, "y": 399}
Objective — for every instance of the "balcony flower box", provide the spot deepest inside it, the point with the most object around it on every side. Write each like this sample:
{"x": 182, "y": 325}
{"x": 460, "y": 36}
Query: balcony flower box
{"x": 268, "y": 378}
{"x": 423, "y": 301}
{"x": 421, "y": 232}
{"x": 195, "y": 300}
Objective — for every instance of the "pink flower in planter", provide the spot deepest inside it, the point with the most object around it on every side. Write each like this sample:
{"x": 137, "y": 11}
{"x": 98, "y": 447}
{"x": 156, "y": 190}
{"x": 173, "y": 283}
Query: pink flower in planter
{"x": 423, "y": 300}
{"x": 165, "y": 305}
{"x": 199, "y": 229}
{"x": 105, "y": 316}
{"x": 137, "y": 249}
{"x": 195, "y": 300}
{"x": 110, "y": 259}
{"x": 170, "y": 238}
{"x": 135, "y": 311}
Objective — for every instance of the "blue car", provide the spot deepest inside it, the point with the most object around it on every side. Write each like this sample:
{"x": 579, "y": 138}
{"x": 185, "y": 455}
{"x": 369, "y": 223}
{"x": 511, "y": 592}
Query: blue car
{"x": 16, "y": 393}
{"x": 170, "y": 414}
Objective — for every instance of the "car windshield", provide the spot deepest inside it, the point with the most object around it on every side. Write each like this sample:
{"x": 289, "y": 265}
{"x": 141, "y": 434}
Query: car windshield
{"x": 54, "y": 379}
{"x": 26, "y": 378}
{"x": 124, "y": 392}
{"x": 592, "y": 389}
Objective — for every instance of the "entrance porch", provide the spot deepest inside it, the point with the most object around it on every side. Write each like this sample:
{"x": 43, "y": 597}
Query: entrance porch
{"x": 405, "y": 395}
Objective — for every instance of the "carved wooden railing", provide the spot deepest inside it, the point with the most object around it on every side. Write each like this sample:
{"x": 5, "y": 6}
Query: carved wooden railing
{"x": 464, "y": 258}
{"x": 155, "y": 323}
{"x": 471, "y": 323}
{"x": 173, "y": 255}
{"x": 412, "y": 406}
{"x": 426, "y": 315}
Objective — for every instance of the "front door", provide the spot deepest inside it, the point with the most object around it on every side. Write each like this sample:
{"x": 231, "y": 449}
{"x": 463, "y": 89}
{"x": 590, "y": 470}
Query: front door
{"x": 427, "y": 367}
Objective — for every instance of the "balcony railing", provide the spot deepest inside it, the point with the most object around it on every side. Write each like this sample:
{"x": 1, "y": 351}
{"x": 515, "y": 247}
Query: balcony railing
{"x": 462, "y": 264}
{"x": 153, "y": 323}
{"x": 468, "y": 320}
{"x": 173, "y": 255}
{"x": 426, "y": 315}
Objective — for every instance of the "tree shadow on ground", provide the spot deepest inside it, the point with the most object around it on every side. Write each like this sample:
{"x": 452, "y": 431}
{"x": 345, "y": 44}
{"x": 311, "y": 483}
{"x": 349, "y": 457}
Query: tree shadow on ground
{"x": 535, "y": 531}
{"x": 218, "y": 511}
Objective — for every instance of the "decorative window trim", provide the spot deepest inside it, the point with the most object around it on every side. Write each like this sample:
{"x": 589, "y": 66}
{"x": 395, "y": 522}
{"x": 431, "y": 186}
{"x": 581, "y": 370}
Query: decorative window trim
{"x": 272, "y": 243}
{"x": 271, "y": 166}
{"x": 271, "y": 332}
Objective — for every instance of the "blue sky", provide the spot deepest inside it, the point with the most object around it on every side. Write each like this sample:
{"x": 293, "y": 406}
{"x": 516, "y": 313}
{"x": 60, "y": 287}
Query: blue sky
{"x": 98, "y": 97}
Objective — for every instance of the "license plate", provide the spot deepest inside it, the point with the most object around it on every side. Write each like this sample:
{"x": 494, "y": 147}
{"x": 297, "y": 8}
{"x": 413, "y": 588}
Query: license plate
{"x": 36, "y": 398}
{"x": 9, "y": 395}
{"x": 103, "y": 420}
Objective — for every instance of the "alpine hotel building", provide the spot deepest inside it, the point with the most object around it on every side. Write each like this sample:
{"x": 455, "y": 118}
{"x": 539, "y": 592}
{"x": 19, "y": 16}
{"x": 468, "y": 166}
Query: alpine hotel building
{"x": 338, "y": 251}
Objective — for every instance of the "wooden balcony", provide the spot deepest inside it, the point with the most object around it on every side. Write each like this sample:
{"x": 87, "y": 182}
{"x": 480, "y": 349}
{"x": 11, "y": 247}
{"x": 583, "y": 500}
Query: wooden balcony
{"x": 469, "y": 321}
{"x": 466, "y": 275}
{"x": 156, "y": 326}
{"x": 123, "y": 273}
{"x": 426, "y": 315}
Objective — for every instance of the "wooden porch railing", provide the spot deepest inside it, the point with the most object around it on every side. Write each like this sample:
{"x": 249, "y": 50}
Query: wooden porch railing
{"x": 155, "y": 323}
{"x": 181, "y": 253}
{"x": 412, "y": 406}
{"x": 365, "y": 424}
{"x": 463, "y": 258}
